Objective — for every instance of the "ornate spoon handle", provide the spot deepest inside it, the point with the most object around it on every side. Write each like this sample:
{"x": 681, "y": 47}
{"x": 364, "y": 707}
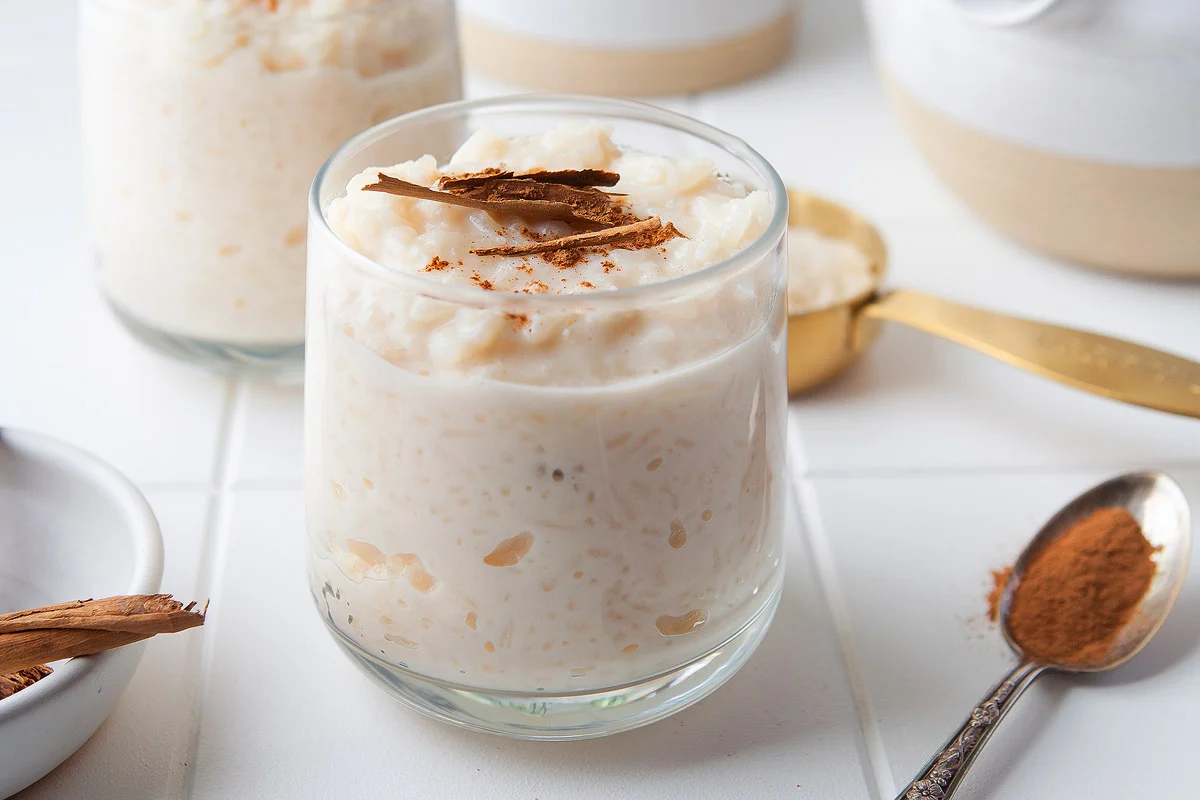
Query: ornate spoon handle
{"x": 941, "y": 777}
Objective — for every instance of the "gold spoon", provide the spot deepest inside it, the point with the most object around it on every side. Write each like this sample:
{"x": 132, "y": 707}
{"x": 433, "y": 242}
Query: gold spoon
{"x": 824, "y": 343}
{"x": 1158, "y": 504}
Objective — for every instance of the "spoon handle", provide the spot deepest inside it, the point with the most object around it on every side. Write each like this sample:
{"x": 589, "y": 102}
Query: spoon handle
{"x": 941, "y": 777}
{"x": 1098, "y": 364}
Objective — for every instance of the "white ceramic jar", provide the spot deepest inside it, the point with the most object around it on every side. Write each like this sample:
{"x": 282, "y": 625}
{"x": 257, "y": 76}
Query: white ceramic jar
{"x": 624, "y": 47}
{"x": 1071, "y": 125}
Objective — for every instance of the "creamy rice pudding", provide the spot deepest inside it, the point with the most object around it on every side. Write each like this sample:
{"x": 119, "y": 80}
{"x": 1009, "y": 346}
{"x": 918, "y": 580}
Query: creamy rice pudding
{"x": 824, "y": 271}
{"x": 530, "y": 473}
{"x": 204, "y": 122}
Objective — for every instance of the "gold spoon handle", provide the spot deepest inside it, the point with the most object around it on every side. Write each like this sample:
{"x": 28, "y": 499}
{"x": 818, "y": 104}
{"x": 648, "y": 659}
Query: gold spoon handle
{"x": 1097, "y": 364}
{"x": 942, "y": 776}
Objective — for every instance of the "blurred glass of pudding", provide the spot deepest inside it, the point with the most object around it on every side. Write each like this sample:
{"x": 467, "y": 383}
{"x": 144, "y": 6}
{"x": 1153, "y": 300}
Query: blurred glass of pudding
{"x": 204, "y": 122}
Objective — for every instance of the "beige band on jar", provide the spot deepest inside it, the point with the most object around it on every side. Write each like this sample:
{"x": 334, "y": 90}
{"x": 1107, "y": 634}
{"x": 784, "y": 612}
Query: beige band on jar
{"x": 552, "y": 66}
{"x": 1132, "y": 219}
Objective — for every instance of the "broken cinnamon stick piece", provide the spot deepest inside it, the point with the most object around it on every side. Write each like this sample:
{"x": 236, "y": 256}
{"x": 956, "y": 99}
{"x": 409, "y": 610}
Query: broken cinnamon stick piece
{"x": 526, "y": 209}
{"x": 470, "y": 179}
{"x": 23, "y": 679}
{"x": 574, "y": 177}
{"x": 563, "y": 177}
{"x": 597, "y": 207}
{"x": 588, "y": 239}
{"x": 129, "y": 613}
{"x": 66, "y": 630}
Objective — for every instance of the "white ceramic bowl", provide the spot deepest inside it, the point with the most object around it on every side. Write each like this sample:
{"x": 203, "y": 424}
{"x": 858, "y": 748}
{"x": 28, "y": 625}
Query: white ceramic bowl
{"x": 71, "y": 527}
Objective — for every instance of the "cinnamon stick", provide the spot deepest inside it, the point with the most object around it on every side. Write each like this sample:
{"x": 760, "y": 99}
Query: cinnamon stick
{"x": 526, "y": 209}
{"x": 563, "y": 177}
{"x": 66, "y": 630}
{"x": 589, "y": 239}
{"x": 587, "y": 203}
{"x": 574, "y": 177}
{"x": 23, "y": 679}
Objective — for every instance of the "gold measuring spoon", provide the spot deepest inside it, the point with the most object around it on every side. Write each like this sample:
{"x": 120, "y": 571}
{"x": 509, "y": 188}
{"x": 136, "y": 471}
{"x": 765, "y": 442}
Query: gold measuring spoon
{"x": 1158, "y": 504}
{"x": 824, "y": 343}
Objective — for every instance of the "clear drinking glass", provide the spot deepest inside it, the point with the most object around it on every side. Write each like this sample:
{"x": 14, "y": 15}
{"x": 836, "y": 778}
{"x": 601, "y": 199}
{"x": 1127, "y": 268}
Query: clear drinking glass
{"x": 203, "y": 125}
{"x": 635, "y": 459}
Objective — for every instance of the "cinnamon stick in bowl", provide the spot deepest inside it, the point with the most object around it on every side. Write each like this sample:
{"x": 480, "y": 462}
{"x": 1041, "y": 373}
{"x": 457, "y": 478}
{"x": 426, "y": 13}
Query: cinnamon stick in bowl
{"x": 33, "y": 637}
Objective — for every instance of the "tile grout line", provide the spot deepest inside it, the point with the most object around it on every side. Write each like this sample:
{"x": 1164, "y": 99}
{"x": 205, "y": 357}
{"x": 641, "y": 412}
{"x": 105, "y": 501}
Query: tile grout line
{"x": 952, "y": 470}
{"x": 212, "y": 560}
{"x": 795, "y": 448}
{"x": 880, "y": 780}
{"x": 267, "y": 484}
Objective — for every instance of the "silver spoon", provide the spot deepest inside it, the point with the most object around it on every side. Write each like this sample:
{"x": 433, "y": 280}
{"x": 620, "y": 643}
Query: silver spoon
{"x": 1159, "y": 506}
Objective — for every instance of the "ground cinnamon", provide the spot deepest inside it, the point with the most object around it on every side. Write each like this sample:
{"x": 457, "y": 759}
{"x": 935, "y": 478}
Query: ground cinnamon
{"x": 999, "y": 581}
{"x": 1080, "y": 592}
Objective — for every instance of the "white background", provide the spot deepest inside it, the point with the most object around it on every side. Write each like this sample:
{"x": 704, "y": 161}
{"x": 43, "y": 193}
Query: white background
{"x": 915, "y": 475}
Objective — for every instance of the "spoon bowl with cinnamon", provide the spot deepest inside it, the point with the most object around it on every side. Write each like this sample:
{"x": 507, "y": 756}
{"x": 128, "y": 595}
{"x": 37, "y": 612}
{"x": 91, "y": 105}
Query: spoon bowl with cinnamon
{"x": 1086, "y": 595}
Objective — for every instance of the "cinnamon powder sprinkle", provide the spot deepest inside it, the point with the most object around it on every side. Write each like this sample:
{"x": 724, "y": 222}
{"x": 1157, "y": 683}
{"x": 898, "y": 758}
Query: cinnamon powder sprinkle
{"x": 564, "y": 259}
{"x": 436, "y": 265}
{"x": 999, "y": 581}
{"x": 467, "y": 179}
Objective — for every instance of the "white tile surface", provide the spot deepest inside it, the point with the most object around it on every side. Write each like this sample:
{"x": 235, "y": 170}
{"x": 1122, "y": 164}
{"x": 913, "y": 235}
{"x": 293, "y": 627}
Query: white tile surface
{"x": 283, "y": 706}
{"x": 912, "y": 557}
{"x": 87, "y": 383}
{"x": 141, "y": 750}
{"x": 269, "y": 427}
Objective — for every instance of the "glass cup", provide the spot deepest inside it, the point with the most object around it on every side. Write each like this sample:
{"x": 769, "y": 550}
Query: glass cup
{"x": 203, "y": 125}
{"x": 579, "y": 537}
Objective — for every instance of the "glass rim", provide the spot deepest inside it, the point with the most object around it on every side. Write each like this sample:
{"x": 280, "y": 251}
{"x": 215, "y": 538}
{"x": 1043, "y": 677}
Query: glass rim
{"x": 547, "y": 103}
{"x": 137, "y": 8}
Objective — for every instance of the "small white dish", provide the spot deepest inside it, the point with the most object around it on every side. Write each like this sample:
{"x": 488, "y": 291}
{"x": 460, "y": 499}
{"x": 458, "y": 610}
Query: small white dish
{"x": 71, "y": 527}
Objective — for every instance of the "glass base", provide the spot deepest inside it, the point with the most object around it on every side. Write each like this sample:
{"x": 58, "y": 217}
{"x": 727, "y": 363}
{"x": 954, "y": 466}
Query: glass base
{"x": 283, "y": 363}
{"x": 566, "y": 717}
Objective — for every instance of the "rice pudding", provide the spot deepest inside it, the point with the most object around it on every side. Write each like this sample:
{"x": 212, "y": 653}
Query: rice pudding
{"x": 528, "y": 472}
{"x": 824, "y": 271}
{"x": 204, "y": 122}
